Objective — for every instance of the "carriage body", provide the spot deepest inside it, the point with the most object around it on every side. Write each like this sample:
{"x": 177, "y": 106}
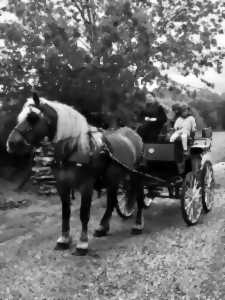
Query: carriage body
{"x": 163, "y": 158}
{"x": 187, "y": 178}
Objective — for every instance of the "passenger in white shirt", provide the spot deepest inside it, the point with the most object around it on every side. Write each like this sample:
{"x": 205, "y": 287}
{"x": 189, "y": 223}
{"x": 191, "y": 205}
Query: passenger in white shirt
{"x": 184, "y": 126}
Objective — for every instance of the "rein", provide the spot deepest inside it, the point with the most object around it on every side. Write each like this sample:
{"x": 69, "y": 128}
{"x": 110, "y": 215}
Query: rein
{"x": 136, "y": 172}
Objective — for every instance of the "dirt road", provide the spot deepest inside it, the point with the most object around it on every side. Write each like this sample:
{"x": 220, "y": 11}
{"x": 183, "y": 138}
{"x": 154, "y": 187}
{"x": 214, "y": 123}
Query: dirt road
{"x": 168, "y": 261}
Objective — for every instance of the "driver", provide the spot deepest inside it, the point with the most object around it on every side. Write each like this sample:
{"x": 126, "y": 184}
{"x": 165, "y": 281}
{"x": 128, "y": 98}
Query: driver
{"x": 154, "y": 118}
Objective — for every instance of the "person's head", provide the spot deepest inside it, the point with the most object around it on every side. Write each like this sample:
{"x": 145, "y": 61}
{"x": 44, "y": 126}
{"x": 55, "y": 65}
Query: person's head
{"x": 151, "y": 101}
{"x": 185, "y": 110}
{"x": 176, "y": 108}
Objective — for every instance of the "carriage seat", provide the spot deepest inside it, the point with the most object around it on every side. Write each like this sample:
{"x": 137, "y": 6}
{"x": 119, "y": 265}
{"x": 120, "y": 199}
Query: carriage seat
{"x": 163, "y": 150}
{"x": 202, "y": 141}
{"x": 164, "y": 136}
{"x": 207, "y": 132}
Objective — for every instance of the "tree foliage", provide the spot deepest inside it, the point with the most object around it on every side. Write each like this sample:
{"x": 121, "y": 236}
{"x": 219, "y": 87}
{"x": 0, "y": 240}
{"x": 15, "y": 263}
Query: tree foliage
{"x": 95, "y": 53}
{"x": 211, "y": 107}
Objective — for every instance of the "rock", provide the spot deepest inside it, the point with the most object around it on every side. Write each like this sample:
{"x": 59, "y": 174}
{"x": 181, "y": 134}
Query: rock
{"x": 42, "y": 170}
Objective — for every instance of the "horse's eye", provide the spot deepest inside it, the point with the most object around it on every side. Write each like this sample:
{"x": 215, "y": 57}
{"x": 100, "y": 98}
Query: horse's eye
{"x": 32, "y": 118}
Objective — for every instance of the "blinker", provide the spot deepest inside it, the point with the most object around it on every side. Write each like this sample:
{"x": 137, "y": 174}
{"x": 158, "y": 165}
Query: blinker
{"x": 32, "y": 117}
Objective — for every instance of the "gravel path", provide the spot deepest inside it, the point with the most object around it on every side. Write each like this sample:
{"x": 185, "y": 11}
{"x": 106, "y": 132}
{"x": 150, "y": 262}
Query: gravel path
{"x": 168, "y": 261}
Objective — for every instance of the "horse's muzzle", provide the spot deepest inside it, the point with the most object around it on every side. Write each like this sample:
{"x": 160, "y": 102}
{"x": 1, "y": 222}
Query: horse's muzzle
{"x": 17, "y": 145}
{"x": 9, "y": 147}
{"x": 14, "y": 147}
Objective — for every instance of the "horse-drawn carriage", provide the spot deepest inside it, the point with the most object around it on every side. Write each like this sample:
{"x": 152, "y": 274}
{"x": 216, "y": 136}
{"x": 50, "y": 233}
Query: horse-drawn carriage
{"x": 84, "y": 153}
{"x": 167, "y": 173}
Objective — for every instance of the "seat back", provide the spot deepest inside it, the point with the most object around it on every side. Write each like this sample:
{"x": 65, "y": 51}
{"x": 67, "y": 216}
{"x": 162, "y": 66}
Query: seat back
{"x": 207, "y": 132}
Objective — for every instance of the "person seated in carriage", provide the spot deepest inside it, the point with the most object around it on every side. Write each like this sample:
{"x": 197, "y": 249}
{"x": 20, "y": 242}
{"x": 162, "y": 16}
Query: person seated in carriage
{"x": 185, "y": 127}
{"x": 176, "y": 109}
{"x": 153, "y": 118}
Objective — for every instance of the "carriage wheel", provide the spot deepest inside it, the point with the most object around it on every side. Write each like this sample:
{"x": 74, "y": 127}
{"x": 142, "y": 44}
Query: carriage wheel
{"x": 191, "y": 202}
{"x": 207, "y": 186}
{"x": 122, "y": 208}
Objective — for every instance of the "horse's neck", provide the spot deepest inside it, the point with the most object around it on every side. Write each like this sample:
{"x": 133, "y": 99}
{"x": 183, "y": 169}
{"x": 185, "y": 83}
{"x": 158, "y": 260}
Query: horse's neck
{"x": 73, "y": 129}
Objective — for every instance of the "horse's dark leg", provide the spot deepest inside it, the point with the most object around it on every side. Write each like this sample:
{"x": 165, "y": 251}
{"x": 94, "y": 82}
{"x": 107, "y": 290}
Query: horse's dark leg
{"x": 25, "y": 179}
{"x": 86, "y": 198}
{"x": 28, "y": 173}
{"x": 72, "y": 194}
{"x": 138, "y": 190}
{"x": 64, "y": 240}
{"x": 104, "y": 225}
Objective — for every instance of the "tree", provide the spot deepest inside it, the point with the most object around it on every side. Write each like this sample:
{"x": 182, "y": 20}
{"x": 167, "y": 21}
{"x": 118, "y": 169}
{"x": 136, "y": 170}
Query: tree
{"x": 210, "y": 106}
{"x": 91, "y": 53}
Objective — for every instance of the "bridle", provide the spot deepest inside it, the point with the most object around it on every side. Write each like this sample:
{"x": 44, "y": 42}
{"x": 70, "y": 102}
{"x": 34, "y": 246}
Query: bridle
{"x": 22, "y": 133}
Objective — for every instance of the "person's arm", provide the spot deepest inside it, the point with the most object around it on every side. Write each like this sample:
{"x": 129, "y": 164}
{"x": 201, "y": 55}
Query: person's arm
{"x": 193, "y": 125}
{"x": 162, "y": 118}
{"x": 177, "y": 124}
{"x": 141, "y": 116}
{"x": 151, "y": 119}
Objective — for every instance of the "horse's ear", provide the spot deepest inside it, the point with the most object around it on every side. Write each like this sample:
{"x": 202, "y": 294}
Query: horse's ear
{"x": 36, "y": 99}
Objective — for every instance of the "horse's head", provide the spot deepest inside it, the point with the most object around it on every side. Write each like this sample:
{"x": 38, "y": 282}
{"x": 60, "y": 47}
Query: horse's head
{"x": 35, "y": 122}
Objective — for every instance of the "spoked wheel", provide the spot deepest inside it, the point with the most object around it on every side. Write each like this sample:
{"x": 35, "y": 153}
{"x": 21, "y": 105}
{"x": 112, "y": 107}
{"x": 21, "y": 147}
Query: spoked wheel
{"x": 207, "y": 186}
{"x": 191, "y": 202}
{"x": 125, "y": 207}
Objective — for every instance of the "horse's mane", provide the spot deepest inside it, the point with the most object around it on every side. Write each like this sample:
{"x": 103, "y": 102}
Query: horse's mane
{"x": 70, "y": 123}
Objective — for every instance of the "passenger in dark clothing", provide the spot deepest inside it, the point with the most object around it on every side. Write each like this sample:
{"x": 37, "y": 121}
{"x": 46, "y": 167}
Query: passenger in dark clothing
{"x": 153, "y": 118}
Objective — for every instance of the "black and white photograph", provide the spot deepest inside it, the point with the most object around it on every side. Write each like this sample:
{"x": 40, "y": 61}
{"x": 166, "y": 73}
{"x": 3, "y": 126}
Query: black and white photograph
{"x": 112, "y": 149}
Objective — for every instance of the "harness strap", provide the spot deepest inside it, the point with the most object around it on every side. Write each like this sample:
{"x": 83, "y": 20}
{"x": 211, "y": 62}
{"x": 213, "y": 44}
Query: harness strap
{"x": 136, "y": 172}
{"x": 93, "y": 144}
{"x": 109, "y": 150}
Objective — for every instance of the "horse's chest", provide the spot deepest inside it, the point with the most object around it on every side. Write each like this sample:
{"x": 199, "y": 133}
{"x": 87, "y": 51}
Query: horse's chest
{"x": 76, "y": 175}
{"x": 72, "y": 175}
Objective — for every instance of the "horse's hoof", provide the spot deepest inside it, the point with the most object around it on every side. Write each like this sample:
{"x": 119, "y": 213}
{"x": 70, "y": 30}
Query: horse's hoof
{"x": 101, "y": 232}
{"x": 63, "y": 243}
{"x": 82, "y": 248}
{"x": 137, "y": 230}
{"x": 62, "y": 246}
{"x": 81, "y": 252}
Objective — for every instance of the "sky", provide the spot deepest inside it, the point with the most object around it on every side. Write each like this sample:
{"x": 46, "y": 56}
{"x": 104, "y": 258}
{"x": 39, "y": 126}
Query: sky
{"x": 191, "y": 80}
{"x": 210, "y": 75}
